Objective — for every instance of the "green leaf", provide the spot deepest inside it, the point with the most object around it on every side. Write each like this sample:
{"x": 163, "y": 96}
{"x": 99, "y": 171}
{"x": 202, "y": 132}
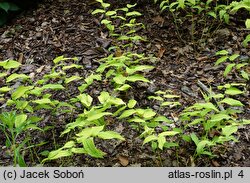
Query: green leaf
{"x": 133, "y": 13}
{"x": 131, "y": 103}
{"x": 5, "y": 6}
{"x": 91, "y": 149}
{"x": 195, "y": 138}
{"x": 228, "y": 69}
{"x": 246, "y": 121}
{"x": 78, "y": 150}
{"x": 150, "y": 138}
{"x": 161, "y": 141}
{"x": 123, "y": 87}
{"x": 219, "y": 117}
{"x": 170, "y": 103}
{"x": 247, "y": 22}
{"x": 246, "y": 40}
{"x": 181, "y": 3}
{"x": 16, "y": 76}
{"x": 62, "y": 58}
{"x": 137, "y": 77}
{"x": 127, "y": 113}
{"x": 20, "y": 91}
{"x": 137, "y": 120}
{"x": 20, "y": 120}
{"x": 171, "y": 96}
{"x": 212, "y": 14}
{"x": 93, "y": 117}
{"x": 131, "y": 5}
{"x": 10, "y": 64}
{"x": 229, "y": 130}
{"x": 233, "y": 57}
{"x": 110, "y": 13}
{"x": 57, "y": 154}
{"x": 196, "y": 121}
{"x": 105, "y": 5}
{"x": 162, "y": 118}
{"x": 207, "y": 105}
{"x": 240, "y": 65}
{"x": 89, "y": 132}
{"x": 96, "y": 11}
{"x": 119, "y": 79}
{"x": 201, "y": 146}
{"x": 3, "y": 74}
{"x": 5, "y": 89}
{"x": 231, "y": 102}
{"x": 53, "y": 87}
{"x": 72, "y": 66}
{"x": 134, "y": 69}
{"x": 148, "y": 113}
{"x": 116, "y": 101}
{"x": 72, "y": 78}
{"x": 110, "y": 135}
{"x": 104, "y": 97}
{"x": 244, "y": 74}
{"x": 222, "y": 52}
{"x": 156, "y": 98}
{"x": 68, "y": 145}
{"x": 106, "y": 22}
{"x": 221, "y": 60}
{"x": 85, "y": 99}
{"x": 168, "y": 133}
{"x": 233, "y": 91}
{"x": 43, "y": 101}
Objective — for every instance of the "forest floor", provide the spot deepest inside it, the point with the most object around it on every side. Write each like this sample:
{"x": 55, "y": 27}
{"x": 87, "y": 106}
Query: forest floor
{"x": 57, "y": 27}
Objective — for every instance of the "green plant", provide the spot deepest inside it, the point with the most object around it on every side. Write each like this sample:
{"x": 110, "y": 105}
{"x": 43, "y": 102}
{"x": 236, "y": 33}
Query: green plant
{"x": 241, "y": 66}
{"x": 217, "y": 126}
{"x": 89, "y": 125}
{"x": 128, "y": 26}
{"x": 12, "y": 125}
{"x": 123, "y": 69}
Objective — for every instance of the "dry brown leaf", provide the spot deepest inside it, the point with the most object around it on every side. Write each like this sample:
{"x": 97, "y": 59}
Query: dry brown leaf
{"x": 123, "y": 160}
{"x": 215, "y": 163}
{"x": 20, "y": 59}
{"x": 161, "y": 52}
{"x": 158, "y": 20}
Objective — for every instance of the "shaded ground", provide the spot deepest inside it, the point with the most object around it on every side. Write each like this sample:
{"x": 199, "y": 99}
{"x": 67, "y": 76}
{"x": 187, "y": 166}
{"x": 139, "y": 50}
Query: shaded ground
{"x": 37, "y": 36}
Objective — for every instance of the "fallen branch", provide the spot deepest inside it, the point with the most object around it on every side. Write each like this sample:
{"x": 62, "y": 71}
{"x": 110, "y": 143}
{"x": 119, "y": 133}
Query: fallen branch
{"x": 209, "y": 92}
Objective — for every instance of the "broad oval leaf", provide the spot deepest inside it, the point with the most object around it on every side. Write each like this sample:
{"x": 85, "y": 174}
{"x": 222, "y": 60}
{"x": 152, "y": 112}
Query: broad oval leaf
{"x": 89, "y": 132}
{"x": 150, "y": 138}
{"x": 110, "y": 135}
{"x": 10, "y": 64}
{"x": 168, "y": 133}
{"x": 131, "y": 103}
{"x": 127, "y": 113}
{"x": 43, "y": 101}
{"x": 232, "y": 102}
{"x": 229, "y": 130}
{"x": 85, "y": 99}
{"x": 161, "y": 141}
{"x": 91, "y": 149}
{"x": 20, "y": 120}
{"x": 53, "y": 86}
{"x": 72, "y": 78}
{"x": 16, "y": 76}
{"x": 219, "y": 117}
{"x": 20, "y": 91}
{"x": 93, "y": 117}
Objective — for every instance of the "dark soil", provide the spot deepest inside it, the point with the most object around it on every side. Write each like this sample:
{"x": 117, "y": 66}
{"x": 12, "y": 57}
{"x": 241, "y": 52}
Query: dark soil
{"x": 60, "y": 27}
